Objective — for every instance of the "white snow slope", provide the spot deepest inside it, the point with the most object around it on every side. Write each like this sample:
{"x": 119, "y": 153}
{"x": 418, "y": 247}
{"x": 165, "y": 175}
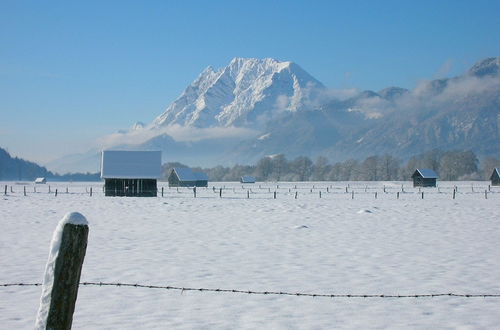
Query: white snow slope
{"x": 332, "y": 245}
{"x": 241, "y": 93}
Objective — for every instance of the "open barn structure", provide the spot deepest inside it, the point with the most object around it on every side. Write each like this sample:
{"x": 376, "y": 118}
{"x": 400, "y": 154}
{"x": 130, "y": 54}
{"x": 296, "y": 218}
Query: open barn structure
{"x": 130, "y": 173}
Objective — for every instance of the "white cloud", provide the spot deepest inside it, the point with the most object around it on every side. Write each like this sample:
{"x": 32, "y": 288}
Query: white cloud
{"x": 177, "y": 132}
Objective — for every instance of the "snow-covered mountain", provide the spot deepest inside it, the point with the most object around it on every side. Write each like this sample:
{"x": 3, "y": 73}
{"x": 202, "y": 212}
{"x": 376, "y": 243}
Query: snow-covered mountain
{"x": 247, "y": 93}
{"x": 257, "y": 107}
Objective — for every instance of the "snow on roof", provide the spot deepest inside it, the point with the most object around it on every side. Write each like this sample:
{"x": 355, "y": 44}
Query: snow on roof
{"x": 497, "y": 169}
{"x": 40, "y": 180}
{"x": 187, "y": 174}
{"x": 248, "y": 179}
{"x": 427, "y": 173}
{"x": 200, "y": 176}
{"x": 131, "y": 164}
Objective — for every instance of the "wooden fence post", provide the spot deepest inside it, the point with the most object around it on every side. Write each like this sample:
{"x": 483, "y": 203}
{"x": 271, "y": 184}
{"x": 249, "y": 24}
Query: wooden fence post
{"x": 5, "y": 191}
{"x": 62, "y": 273}
{"x": 275, "y": 195}
{"x": 90, "y": 191}
{"x": 220, "y": 193}
{"x": 161, "y": 191}
{"x": 194, "y": 192}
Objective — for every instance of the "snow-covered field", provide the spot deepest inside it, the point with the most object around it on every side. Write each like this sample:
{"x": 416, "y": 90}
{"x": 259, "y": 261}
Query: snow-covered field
{"x": 332, "y": 245}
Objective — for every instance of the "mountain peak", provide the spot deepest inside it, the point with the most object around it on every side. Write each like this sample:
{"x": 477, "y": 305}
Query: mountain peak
{"x": 240, "y": 94}
{"x": 487, "y": 67}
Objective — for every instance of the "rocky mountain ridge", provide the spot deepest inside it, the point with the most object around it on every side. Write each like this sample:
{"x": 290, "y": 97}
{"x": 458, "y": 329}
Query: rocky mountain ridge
{"x": 257, "y": 107}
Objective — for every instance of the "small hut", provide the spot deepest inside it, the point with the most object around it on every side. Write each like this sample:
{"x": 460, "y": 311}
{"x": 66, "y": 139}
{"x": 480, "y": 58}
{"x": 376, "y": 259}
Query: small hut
{"x": 40, "y": 181}
{"x": 186, "y": 177}
{"x": 247, "y": 179}
{"x": 424, "y": 178}
{"x": 130, "y": 173}
{"x": 495, "y": 177}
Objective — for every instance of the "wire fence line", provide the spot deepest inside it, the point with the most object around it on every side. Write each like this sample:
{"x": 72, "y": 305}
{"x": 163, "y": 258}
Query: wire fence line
{"x": 275, "y": 293}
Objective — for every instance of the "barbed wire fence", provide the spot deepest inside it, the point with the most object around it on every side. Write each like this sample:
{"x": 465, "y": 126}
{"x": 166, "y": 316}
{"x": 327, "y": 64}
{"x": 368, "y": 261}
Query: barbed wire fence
{"x": 274, "y": 293}
{"x": 278, "y": 190}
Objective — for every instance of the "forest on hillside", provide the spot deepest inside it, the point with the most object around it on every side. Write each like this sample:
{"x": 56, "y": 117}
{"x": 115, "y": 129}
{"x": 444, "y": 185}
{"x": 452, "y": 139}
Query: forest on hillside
{"x": 14, "y": 168}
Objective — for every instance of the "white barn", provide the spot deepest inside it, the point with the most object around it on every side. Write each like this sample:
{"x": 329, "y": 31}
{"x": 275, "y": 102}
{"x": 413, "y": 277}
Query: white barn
{"x": 130, "y": 173}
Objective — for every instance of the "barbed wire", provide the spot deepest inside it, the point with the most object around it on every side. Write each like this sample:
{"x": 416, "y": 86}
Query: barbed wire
{"x": 281, "y": 293}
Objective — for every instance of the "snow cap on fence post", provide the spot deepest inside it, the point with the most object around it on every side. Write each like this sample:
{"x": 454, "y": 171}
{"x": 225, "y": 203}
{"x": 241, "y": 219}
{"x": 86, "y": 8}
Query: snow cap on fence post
{"x": 62, "y": 273}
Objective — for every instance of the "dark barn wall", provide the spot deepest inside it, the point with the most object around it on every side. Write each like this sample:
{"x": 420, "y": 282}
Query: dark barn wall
{"x": 131, "y": 187}
{"x": 202, "y": 183}
{"x": 418, "y": 181}
{"x": 495, "y": 179}
{"x": 173, "y": 180}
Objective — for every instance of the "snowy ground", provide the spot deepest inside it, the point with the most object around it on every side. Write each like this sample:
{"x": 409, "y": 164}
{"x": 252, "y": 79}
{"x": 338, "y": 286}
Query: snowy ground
{"x": 333, "y": 245}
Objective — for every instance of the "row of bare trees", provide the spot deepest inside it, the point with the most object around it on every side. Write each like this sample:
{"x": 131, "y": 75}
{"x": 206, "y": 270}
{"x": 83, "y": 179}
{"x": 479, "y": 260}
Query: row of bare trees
{"x": 450, "y": 165}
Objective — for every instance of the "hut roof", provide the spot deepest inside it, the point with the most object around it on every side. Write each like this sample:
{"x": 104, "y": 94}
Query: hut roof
{"x": 187, "y": 174}
{"x": 131, "y": 164}
{"x": 247, "y": 178}
{"x": 426, "y": 173}
{"x": 497, "y": 170}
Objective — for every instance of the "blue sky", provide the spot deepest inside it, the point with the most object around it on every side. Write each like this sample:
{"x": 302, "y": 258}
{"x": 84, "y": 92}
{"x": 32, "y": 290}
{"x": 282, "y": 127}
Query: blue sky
{"x": 71, "y": 72}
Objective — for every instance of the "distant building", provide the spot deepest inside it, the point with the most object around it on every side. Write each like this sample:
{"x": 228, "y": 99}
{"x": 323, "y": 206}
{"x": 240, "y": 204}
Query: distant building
{"x": 40, "y": 181}
{"x": 424, "y": 178}
{"x": 495, "y": 177}
{"x": 247, "y": 179}
{"x": 131, "y": 173}
{"x": 186, "y": 177}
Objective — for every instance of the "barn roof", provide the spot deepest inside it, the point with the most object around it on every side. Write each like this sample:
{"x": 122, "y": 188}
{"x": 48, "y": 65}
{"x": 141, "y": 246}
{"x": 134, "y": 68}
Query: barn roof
{"x": 247, "y": 178}
{"x": 120, "y": 164}
{"x": 427, "y": 173}
{"x": 187, "y": 174}
{"x": 496, "y": 169}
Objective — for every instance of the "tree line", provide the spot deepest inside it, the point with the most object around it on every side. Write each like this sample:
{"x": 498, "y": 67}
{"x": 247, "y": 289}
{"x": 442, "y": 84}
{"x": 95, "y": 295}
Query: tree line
{"x": 14, "y": 168}
{"x": 450, "y": 165}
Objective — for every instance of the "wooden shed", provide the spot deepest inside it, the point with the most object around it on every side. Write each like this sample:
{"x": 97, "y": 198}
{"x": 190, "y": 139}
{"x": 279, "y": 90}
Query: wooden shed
{"x": 495, "y": 177}
{"x": 130, "y": 173}
{"x": 424, "y": 178}
{"x": 186, "y": 177}
{"x": 247, "y": 179}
